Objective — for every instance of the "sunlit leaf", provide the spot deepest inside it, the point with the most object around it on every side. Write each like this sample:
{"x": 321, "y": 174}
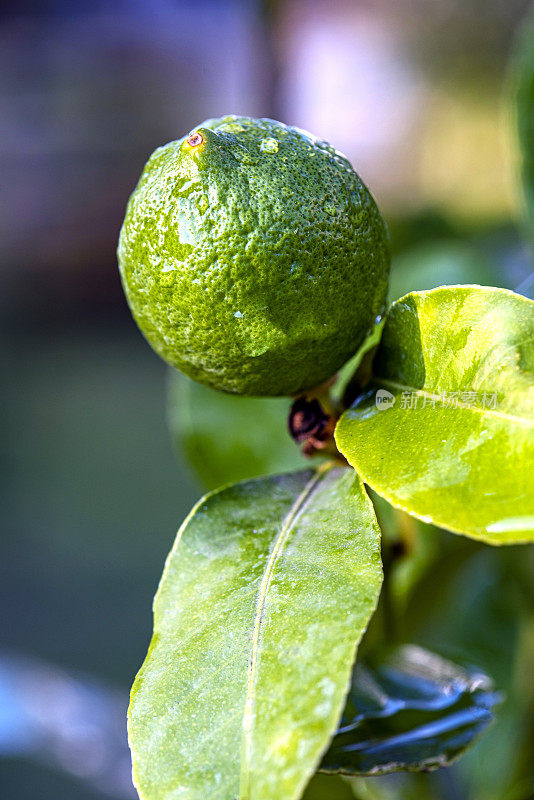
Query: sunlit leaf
{"x": 414, "y": 711}
{"x": 226, "y": 438}
{"x": 446, "y": 430}
{"x": 263, "y": 600}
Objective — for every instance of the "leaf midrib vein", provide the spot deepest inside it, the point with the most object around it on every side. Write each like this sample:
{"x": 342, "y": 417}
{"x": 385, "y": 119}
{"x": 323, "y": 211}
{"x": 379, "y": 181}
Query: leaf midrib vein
{"x": 285, "y": 530}
{"x": 492, "y": 412}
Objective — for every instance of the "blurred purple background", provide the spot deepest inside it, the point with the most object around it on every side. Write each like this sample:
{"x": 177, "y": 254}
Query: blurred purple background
{"x": 409, "y": 90}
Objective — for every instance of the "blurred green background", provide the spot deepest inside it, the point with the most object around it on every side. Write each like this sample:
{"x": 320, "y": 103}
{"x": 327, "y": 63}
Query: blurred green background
{"x": 417, "y": 93}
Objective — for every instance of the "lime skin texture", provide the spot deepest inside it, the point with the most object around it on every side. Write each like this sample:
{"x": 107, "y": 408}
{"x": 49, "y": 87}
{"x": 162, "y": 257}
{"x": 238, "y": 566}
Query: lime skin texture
{"x": 253, "y": 257}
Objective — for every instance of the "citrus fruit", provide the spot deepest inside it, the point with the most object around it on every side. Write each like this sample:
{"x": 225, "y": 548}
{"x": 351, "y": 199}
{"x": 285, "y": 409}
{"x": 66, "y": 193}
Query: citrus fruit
{"x": 253, "y": 257}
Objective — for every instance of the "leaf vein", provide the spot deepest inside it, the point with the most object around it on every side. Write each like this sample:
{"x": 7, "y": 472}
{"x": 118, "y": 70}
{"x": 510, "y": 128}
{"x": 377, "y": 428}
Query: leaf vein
{"x": 248, "y": 714}
{"x": 491, "y": 412}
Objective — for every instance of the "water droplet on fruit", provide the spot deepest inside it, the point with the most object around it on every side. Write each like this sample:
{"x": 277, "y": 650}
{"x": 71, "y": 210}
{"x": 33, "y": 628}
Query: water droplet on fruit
{"x": 244, "y": 156}
{"x": 231, "y": 127}
{"x": 202, "y": 203}
{"x": 269, "y": 145}
{"x": 329, "y": 208}
{"x": 238, "y": 315}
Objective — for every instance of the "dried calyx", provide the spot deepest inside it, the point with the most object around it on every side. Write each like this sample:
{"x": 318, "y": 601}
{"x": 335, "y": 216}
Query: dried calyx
{"x": 311, "y": 425}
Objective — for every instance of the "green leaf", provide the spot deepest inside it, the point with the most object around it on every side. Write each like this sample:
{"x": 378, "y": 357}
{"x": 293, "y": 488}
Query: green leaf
{"x": 414, "y": 711}
{"x": 226, "y": 438}
{"x": 452, "y": 441}
{"x": 263, "y": 600}
{"x": 523, "y": 77}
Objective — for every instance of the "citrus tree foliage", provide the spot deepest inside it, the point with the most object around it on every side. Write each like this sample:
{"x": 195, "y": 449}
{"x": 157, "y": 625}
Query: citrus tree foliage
{"x": 251, "y": 689}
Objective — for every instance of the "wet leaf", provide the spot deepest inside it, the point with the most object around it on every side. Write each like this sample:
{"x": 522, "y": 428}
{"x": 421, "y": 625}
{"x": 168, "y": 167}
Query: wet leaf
{"x": 413, "y": 711}
{"x": 263, "y": 600}
{"x": 226, "y": 438}
{"x": 446, "y": 430}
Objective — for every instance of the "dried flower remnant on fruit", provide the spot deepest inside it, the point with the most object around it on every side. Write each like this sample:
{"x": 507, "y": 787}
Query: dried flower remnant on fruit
{"x": 195, "y": 139}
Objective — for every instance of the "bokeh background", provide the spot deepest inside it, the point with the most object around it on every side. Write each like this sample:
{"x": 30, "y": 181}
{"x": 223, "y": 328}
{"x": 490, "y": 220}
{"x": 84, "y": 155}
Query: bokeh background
{"x": 417, "y": 94}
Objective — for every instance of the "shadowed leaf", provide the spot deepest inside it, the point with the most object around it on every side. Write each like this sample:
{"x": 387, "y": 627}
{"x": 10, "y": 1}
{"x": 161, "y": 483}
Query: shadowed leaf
{"x": 414, "y": 711}
{"x": 227, "y": 438}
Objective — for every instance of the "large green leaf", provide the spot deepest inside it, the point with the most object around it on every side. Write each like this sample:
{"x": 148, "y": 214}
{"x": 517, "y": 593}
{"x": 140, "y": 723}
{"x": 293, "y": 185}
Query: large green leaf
{"x": 413, "y": 711}
{"x": 227, "y": 438}
{"x": 523, "y": 65}
{"x": 446, "y": 430}
{"x": 263, "y": 600}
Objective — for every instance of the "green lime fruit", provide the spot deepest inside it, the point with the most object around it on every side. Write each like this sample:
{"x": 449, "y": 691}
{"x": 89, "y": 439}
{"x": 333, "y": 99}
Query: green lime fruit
{"x": 253, "y": 257}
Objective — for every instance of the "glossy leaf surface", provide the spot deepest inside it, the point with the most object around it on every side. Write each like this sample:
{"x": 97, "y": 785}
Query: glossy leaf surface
{"x": 227, "y": 438}
{"x": 263, "y": 600}
{"x": 446, "y": 431}
{"x": 413, "y": 711}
